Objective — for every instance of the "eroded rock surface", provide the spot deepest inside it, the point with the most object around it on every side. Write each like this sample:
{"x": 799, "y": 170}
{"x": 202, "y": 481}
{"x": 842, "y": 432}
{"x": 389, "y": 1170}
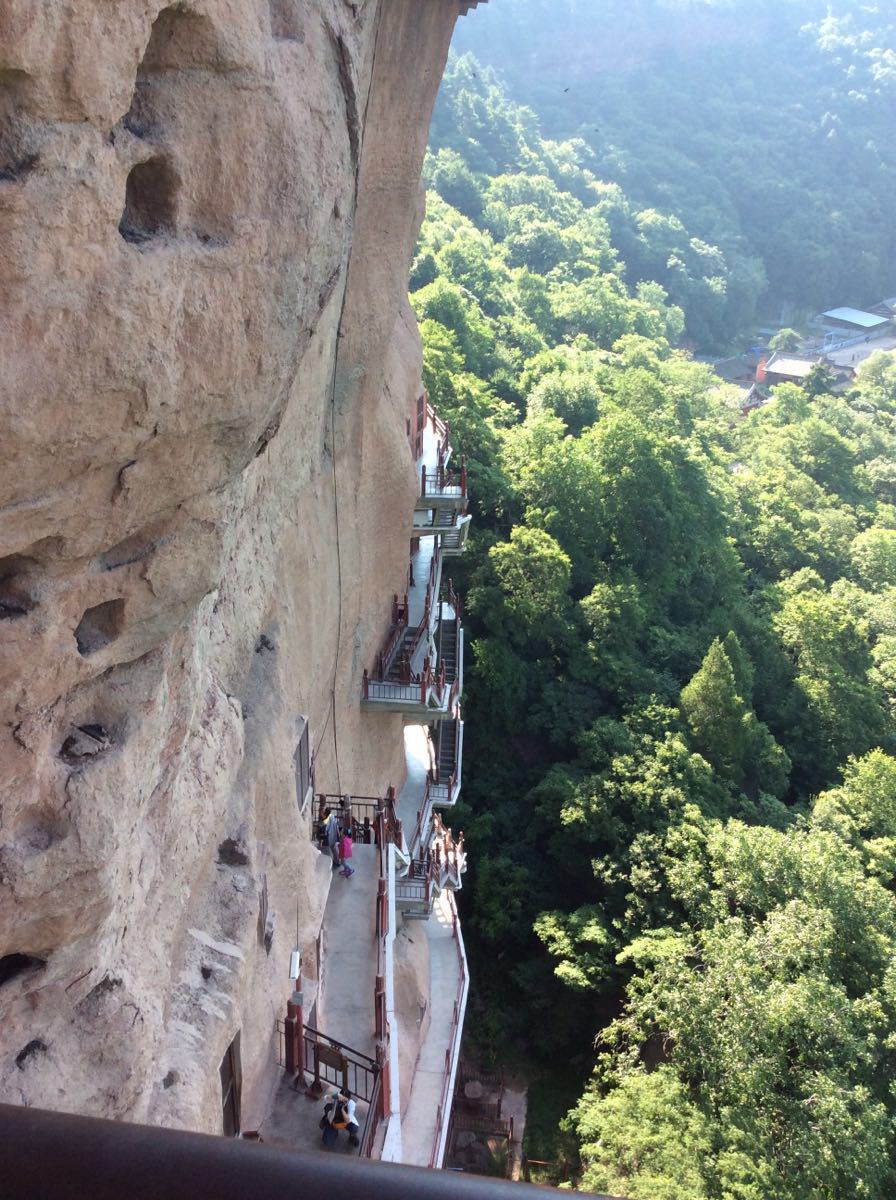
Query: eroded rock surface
{"x": 207, "y": 212}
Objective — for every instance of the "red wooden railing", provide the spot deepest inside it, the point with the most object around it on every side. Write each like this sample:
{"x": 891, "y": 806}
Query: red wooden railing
{"x": 394, "y": 636}
{"x": 424, "y": 412}
{"x": 438, "y": 425}
{"x": 423, "y": 816}
{"x": 376, "y": 686}
{"x": 454, "y": 600}
{"x": 437, "y": 481}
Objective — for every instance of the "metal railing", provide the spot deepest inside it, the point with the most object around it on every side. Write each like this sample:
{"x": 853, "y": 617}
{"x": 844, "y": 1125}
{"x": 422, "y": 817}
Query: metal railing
{"x": 413, "y": 891}
{"x": 429, "y": 689}
{"x": 336, "y": 1065}
{"x": 412, "y": 692}
{"x": 452, "y": 600}
{"x": 440, "y": 483}
{"x": 424, "y": 818}
{"x": 426, "y": 687}
{"x": 394, "y": 636}
{"x": 439, "y": 786}
{"x": 439, "y": 426}
{"x": 59, "y": 1156}
{"x": 332, "y": 1064}
{"x": 364, "y": 812}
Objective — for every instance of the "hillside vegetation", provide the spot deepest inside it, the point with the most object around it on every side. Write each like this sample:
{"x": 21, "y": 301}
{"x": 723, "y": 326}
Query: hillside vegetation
{"x": 752, "y": 137}
{"x": 680, "y": 791}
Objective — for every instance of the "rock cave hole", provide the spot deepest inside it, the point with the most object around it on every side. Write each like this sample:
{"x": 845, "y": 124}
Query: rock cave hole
{"x": 16, "y": 598}
{"x": 286, "y": 23}
{"x": 14, "y": 965}
{"x": 233, "y": 852}
{"x": 99, "y": 627}
{"x": 17, "y": 156}
{"x": 150, "y": 202}
{"x": 35, "y": 1046}
{"x": 83, "y": 743}
{"x": 179, "y": 41}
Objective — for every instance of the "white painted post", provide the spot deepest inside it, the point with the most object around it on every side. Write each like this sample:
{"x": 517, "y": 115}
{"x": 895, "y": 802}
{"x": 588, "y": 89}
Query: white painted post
{"x": 392, "y": 1144}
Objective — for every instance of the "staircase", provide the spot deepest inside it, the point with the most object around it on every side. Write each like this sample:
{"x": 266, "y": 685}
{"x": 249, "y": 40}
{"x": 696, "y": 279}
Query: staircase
{"x": 399, "y": 669}
{"x": 447, "y": 760}
{"x": 448, "y": 649}
{"x": 453, "y": 527}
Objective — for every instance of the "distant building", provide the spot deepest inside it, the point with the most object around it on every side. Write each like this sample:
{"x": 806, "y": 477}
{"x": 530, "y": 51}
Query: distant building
{"x": 886, "y": 308}
{"x": 855, "y": 321}
{"x": 752, "y": 399}
{"x": 785, "y": 368}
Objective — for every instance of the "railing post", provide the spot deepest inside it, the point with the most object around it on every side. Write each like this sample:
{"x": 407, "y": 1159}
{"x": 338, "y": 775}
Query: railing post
{"x": 393, "y": 819}
{"x": 365, "y": 685}
{"x": 295, "y": 1036}
{"x": 382, "y": 1059}
{"x": 379, "y": 996}
{"x": 423, "y": 481}
{"x": 381, "y": 914}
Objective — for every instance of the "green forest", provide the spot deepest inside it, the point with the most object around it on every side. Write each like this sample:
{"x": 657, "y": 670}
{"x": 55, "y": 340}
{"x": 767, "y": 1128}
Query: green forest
{"x": 680, "y": 771}
{"x": 750, "y": 141}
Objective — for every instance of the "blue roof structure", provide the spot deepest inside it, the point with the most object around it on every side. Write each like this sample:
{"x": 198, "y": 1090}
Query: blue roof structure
{"x": 855, "y": 316}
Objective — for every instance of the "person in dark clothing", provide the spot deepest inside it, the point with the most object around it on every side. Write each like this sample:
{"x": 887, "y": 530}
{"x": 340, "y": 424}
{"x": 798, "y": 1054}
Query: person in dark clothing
{"x": 332, "y": 835}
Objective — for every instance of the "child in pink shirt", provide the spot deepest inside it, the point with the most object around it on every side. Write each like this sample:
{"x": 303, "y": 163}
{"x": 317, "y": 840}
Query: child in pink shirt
{"x": 345, "y": 852}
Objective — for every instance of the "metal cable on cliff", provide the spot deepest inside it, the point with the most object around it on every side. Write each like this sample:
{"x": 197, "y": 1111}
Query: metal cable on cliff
{"x": 357, "y": 146}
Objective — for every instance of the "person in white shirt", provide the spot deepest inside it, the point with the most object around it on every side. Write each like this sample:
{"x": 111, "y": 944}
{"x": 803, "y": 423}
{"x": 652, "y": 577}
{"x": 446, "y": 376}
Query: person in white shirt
{"x": 339, "y": 1113}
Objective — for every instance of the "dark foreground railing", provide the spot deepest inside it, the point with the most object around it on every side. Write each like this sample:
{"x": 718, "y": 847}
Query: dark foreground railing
{"x": 56, "y": 1156}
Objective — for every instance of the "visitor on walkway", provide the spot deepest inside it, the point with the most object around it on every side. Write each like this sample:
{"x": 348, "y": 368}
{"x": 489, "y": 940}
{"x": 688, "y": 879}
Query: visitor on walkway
{"x": 339, "y": 1113}
{"x": 353, "y": 1128}
{"x": 345, "y": 852}
{"x": 331, "y": 831}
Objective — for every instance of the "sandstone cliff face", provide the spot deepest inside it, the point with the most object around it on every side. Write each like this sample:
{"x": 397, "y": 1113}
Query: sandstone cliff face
{"x": 207, "y": 212}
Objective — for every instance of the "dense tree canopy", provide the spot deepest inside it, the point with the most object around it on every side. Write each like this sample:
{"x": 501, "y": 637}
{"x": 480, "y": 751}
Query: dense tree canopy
{"x": 680, "y": 774}
{"x": 752, "y": 138}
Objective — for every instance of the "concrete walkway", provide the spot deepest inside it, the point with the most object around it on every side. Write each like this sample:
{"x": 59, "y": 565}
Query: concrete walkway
{"x": 293, "y": 1122}
{"x": 417, "y": 757}
{"x": 345, "y": 1007}
{"x": 422, "y": 562}
{"x": 418, "y": 1126}
{"x": 345, "y": 1003}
